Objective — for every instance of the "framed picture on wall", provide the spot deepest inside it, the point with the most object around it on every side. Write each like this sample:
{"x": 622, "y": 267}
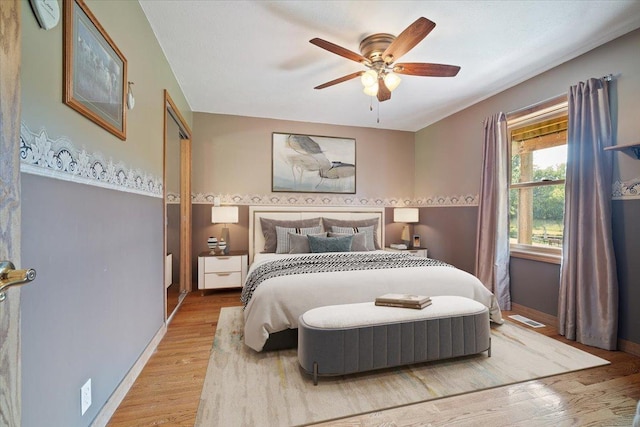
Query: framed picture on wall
{"x": 95, "y": 71}
{"x": 313, "y": 164}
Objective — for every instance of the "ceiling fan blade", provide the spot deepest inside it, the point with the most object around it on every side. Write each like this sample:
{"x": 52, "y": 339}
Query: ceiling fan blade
{"x": 407, "y": 39}
{"x": 384, "y": 93}
{"x": 427, "y": 70}
{"x": 340, "y": 80}
{"x": 339, "y": 50}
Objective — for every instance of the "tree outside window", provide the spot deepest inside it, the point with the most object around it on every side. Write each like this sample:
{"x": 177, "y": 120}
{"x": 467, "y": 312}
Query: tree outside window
{"x": 538, "y": 166}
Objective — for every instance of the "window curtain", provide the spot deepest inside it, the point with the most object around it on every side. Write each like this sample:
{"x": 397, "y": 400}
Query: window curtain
{"x": 492, "y": 246}
{"x": 588, "y": 300}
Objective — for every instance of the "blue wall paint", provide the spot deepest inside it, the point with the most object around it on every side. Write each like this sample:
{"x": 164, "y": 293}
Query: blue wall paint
{"x": 98, "y": 298}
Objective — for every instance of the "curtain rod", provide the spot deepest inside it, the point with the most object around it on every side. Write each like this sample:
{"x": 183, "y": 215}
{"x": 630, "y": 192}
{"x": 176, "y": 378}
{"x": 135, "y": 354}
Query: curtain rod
{"x": 556, "y": 99}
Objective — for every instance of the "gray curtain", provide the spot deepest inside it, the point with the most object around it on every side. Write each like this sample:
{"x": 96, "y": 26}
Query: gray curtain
{"x": 492, "y": 247}
{"x": 588, "y": 301}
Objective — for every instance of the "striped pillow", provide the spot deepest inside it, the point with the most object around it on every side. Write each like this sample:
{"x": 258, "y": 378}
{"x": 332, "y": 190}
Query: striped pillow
{"x": 282, "y": 236}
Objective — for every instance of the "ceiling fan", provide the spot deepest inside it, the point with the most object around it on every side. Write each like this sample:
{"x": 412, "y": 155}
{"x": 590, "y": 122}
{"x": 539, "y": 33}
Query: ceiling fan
{"x": 378, "y": 52}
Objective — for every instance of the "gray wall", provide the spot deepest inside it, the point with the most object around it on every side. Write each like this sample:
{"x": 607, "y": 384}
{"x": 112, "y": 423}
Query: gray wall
{"x": 98, "y": 297}
{"x": 448, "y": 162}
{"x": 535, "y": 284}
{"x": 449, "y": 234}
{"x": 626, "y": 242}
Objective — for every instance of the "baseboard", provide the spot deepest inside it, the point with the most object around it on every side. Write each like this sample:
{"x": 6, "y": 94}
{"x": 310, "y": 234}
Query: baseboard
{"x": 629, "y": 347}
{"x": 125, "y": 385}
{"x": 536, "y": 315}
{"x": 623, "y": 345}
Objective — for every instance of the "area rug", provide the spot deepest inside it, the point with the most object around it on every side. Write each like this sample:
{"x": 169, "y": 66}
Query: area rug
{"x": 245, "y": 388}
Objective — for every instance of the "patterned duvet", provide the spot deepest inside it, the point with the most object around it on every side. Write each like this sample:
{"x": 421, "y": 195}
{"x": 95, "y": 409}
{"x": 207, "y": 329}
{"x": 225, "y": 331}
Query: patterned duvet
{"x": 279, "y": 288}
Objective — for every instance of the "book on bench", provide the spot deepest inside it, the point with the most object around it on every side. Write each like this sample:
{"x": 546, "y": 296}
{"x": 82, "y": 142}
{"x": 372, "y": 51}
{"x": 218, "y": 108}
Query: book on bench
{"x": 403, "y": 300}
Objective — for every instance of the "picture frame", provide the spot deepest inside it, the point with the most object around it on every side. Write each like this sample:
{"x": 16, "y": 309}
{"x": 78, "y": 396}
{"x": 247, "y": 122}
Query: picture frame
{"x": 95, "y": 71}
{"x": 416, "y": 241}
{"x": 313, "y": 164}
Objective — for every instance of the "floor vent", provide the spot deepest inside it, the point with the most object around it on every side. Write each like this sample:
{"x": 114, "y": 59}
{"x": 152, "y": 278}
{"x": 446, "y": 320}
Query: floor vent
{"x": 527, "y": 321}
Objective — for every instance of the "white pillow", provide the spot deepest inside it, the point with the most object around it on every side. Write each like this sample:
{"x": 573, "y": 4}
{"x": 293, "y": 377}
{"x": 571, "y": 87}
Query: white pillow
{"x": 368, "y": 231}
{"x": 282, "y": 236}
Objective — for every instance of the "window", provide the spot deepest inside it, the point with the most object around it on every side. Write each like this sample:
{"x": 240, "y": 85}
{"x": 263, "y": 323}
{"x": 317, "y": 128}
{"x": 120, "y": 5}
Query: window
{"x": 538, "y": 166}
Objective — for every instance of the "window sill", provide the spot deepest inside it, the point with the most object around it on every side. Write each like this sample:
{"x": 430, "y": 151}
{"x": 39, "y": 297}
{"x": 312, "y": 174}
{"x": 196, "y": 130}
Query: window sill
{"x": 532, "y": 254}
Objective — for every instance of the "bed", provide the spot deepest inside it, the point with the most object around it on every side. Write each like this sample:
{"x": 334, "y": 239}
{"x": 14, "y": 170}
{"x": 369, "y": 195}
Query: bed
{"x": 282, "y": 286}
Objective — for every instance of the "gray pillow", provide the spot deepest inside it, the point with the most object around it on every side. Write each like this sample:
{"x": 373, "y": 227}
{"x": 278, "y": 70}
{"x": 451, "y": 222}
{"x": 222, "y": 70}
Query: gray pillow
{"x": 359, "y": 242}
{"x": 282, "y": 234}
{"x": 330, "y": 222}
{"x": 367, "y": 231}
{"x": 330, "y": 244}
{"x": 269, "y": 229}
{"x": 299, "y": 244}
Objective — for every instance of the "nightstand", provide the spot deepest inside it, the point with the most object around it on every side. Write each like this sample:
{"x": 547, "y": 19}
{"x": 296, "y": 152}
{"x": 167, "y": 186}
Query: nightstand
{"x": 222, "y": 271}
{"x": 416, "y": 251}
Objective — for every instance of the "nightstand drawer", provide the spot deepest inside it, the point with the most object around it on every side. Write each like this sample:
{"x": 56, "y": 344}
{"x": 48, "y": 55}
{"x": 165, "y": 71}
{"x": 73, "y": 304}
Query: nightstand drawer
{"x": 222, "y": 271}
{"x": 222, "y": 280}
{"x": 220, "y": 264}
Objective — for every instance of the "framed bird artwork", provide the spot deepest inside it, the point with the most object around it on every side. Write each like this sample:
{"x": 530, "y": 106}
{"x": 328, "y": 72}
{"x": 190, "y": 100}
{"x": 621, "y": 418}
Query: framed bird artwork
{"x": 313, "y": 164}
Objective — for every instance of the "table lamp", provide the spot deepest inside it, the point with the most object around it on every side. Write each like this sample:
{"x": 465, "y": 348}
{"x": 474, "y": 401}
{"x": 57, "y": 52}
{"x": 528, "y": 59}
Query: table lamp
{"x": 406, "y": 216}
{"x": 224, "y": 215}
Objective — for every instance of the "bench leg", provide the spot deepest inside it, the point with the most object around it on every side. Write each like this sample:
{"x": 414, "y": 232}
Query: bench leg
{"x": 489, "y": 351}
{"x": 315, "y": 373}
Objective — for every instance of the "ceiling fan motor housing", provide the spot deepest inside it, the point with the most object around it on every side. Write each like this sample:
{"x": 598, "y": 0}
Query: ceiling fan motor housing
{"x": 373, "y": 46}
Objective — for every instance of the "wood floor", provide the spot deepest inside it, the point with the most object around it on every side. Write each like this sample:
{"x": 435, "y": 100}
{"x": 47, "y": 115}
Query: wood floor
{"x": 167, "y": 392}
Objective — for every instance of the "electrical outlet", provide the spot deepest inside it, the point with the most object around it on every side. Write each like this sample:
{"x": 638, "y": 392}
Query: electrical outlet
{"x": 85, "y": 396}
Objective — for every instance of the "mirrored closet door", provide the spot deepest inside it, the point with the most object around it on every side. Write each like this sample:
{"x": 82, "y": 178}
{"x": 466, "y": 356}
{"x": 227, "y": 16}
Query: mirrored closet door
{"x": 177, "y": 202}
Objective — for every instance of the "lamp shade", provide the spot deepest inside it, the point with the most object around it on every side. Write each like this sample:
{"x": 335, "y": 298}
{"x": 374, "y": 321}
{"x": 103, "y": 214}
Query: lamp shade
{"x": 371, "y": 90}
{"x": 391, "y": 81}
{"x": 224, "y": 214}
{"x": 369, "y": 78}
{"x": 406, "y": 215}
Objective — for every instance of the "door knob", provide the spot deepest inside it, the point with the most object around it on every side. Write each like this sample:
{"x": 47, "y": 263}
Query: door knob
{"x": 9, "y": 276}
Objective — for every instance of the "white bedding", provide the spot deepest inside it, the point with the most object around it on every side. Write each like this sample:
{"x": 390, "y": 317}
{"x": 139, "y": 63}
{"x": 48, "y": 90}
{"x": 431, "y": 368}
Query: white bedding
{"x": 277, "y": 303}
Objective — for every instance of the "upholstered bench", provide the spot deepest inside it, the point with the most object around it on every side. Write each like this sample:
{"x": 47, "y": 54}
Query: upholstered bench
{"x": 350, "y": 338}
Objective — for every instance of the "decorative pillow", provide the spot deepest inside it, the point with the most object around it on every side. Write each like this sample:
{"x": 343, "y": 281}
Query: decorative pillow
{"x": 330, "y": 244}
{"x": 368, "y": 231}
{"x": 282, "y": 234}
{"x": 330, "y": 222}
{"x": 299, "y": 244}
{"x": 269, "y": 229}
{"x": 359, "y": 242}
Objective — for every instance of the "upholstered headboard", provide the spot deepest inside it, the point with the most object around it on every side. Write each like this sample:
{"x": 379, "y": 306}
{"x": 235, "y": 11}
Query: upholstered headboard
{"x": 256, "y": 238}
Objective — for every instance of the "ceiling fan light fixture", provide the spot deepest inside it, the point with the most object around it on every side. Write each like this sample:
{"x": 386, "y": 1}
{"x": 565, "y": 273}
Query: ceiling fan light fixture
{"x": 391, "y": 80}
{"x": 371, "y": 90}
{"x": 369, "y": 78}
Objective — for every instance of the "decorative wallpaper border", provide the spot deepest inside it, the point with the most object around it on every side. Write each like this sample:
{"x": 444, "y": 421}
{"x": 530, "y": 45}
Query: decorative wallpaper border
{"x": 625, "y": 190}
{"x": 58, "y": 158}
{"x": 333, "y": 200}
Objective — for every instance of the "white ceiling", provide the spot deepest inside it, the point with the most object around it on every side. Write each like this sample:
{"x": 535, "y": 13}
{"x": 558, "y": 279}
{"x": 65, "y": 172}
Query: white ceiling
{"x": 253, "y": 58}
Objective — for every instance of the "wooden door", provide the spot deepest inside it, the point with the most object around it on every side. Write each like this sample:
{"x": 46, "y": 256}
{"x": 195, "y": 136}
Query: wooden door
{"x": 10, "y": 57}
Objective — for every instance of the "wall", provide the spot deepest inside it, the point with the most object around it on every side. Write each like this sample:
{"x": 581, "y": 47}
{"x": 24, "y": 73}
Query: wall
{"x": 232, "y": 155}
{"x": 92, "y": 222}
{"x": 454, "y": 144}
{"x": 448, "y": 237}
{"x": 232, "y": 159}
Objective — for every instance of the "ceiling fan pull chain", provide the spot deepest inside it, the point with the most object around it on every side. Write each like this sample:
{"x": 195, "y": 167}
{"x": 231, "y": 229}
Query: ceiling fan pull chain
{"x": 378, "y": 120}
{"x": 371, "y": 103}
